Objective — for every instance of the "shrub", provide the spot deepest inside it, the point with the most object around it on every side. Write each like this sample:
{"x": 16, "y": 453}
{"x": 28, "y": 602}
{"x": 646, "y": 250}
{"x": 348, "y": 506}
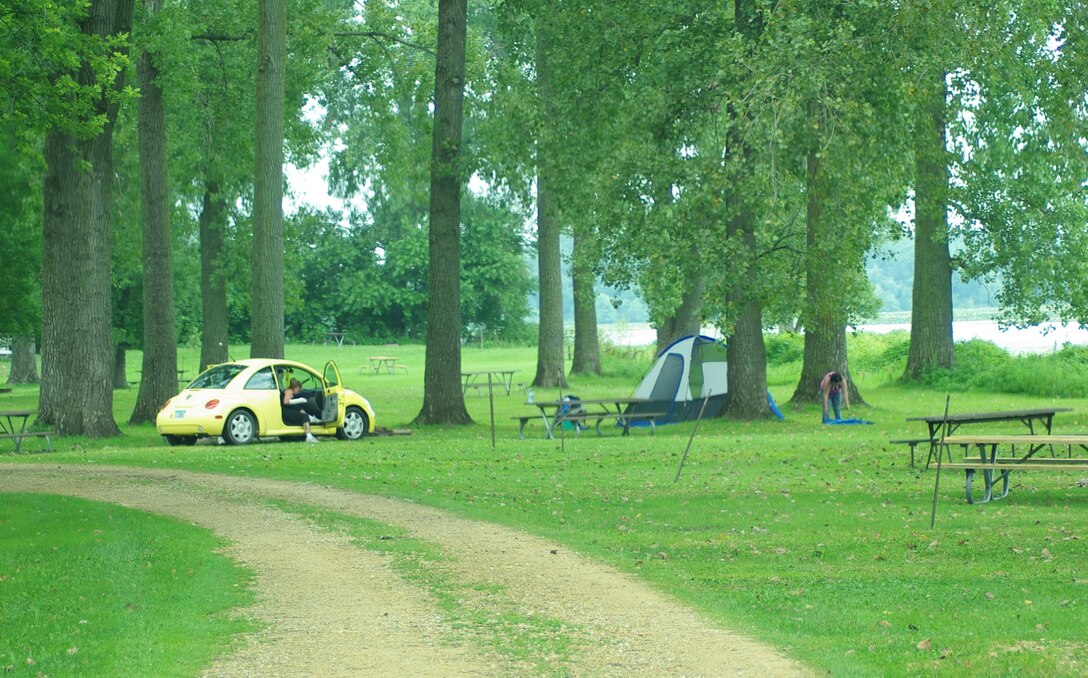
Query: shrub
{"x": 784, "y": 348}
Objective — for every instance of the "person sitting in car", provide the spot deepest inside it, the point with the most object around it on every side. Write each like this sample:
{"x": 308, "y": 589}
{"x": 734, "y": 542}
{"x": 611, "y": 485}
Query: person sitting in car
{"x": 293, "y": 409}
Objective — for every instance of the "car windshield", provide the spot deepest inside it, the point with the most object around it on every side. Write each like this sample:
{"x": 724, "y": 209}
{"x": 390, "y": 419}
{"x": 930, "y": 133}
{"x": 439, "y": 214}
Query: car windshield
{"x": 218, "y": 376}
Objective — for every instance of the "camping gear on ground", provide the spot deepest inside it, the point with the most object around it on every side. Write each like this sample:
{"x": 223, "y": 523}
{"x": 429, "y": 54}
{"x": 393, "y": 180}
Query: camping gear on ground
{"x": 685, "y": 373}
{"x": 572, "y": 405}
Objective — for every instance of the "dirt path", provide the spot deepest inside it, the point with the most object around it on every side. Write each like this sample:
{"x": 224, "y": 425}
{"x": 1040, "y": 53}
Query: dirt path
{"x": 332, "y": 608}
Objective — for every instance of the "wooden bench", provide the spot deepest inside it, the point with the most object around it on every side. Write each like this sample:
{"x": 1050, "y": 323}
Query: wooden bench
{"x": 1003, "y": 467}
{"x": 598, "y": 417}
{"x": 17, "y": 438}
{"x": 915, "y": 442}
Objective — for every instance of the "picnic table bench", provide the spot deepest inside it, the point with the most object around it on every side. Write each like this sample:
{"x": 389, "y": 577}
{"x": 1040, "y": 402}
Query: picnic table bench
{"x": 8, "y": 430}
{"x": 388, "y": 363}
{"x": 494, "y": 379}
{"x": 1044, "y": 416}
{"x": 552, "y": 413}
{"x": 998, "y": 469}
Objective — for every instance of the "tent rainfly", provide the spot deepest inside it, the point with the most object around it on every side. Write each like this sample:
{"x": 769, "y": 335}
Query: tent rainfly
{"x": 687, "y": 371}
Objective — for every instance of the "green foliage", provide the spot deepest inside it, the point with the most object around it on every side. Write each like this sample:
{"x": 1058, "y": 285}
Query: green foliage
{"x": 784, "y": 348}
{"x": 357, "y": 280}
{"x": 20, "y": 239}
{"x": 96, "y": 589}
{"x": 52, "y": 74}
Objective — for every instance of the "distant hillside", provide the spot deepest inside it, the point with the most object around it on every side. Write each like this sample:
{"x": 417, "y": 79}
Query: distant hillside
{"x": 891, "y": 271}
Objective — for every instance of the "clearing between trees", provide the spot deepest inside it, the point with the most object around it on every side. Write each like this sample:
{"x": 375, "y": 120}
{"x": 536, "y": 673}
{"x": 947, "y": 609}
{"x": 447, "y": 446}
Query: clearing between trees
{"x": 328, "y": 606}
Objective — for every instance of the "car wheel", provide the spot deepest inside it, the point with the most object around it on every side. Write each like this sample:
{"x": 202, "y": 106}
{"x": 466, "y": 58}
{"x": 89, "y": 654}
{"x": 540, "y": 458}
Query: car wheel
{"x": 241, "y": 428}
{"x": 356, "y": 424}
{"x": 184, "y": 441}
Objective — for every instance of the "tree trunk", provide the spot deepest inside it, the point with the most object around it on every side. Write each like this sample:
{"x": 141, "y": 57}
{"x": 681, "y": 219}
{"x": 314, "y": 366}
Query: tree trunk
{"x": 214, "y": 347}
{"x": 688, "y": 318}
{"x": 120, "y": 368}
{"x": 549, "y": 357}
{"x": 24, "y": 364}
{"x": 931, "y": 342}
{"x": 746, "y": 354}
{"x": 443, "y": 400}
{"x": 77, "y": 342}
{"x": 158, "y": 381}
{"x": 268, "y": 296}
{"x": 587, "y": 347}
{"x": 825, "y": 328}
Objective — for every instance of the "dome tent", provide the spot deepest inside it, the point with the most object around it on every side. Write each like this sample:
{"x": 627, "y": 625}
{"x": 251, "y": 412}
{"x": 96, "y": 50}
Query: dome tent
{"x": 685, "y": 373}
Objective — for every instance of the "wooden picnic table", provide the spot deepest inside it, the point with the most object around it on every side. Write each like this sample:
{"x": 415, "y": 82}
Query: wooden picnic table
{"x": 997, "y": 469}
{"x": 334, "y": 338}
{"x": 504, "y": 378}
{"x": 553, "y": 414}
{"x": 1028, "y": 417}
{"x": 380, "y": 362}
{"x": 16, "y": 432}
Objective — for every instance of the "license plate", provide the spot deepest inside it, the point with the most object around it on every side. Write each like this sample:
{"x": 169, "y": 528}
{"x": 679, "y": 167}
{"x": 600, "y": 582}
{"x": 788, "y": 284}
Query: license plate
{"x": 179, "y": 414}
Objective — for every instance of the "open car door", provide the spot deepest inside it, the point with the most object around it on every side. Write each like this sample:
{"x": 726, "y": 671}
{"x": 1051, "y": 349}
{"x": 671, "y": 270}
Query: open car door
{"x": 332, "y": 410}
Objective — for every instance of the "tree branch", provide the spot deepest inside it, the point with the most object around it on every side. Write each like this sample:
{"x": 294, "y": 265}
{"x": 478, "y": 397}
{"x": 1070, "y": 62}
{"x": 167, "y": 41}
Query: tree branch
{"x": 217, "y": 37}
{"x": 374, "y": 35}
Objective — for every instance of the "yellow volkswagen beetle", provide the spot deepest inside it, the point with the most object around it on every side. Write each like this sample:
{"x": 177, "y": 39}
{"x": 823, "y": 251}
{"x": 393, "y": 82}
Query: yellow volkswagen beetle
{"x": 240, "y": 401}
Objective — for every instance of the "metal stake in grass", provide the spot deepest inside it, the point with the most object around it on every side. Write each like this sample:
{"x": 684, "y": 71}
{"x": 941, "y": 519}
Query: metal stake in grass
{"x": 491, "y": 404}
{"x": 693, "y": 432}
{"x": 940, "y": 454}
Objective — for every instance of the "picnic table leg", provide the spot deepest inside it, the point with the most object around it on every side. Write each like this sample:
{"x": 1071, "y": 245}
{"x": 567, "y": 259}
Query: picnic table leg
{"x": 17, "y": 440}
{"x": 547, "y": 424}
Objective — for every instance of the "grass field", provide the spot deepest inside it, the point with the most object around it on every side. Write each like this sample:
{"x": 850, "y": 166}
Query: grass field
{"x": 813, "y": 538}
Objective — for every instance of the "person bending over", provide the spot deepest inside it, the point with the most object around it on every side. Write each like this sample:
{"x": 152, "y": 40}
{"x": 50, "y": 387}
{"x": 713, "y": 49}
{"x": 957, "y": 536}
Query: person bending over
{"x": 834, "y": 393}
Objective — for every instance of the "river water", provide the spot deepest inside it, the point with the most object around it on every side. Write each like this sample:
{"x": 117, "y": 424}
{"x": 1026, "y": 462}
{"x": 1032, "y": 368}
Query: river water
{"x": 1040, "y": 339}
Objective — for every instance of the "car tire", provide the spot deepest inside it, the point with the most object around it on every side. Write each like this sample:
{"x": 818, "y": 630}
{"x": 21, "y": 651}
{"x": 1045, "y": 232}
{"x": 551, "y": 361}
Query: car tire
{"x": 180, "y": 441}
{"x": 356, "y": 424}
{"x": 240, "y": 428}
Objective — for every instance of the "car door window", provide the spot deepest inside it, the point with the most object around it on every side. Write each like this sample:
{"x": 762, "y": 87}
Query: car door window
{"x": 309, "y": 380}
{"x": 217, "y": 377}
{"x": 263, "y": 380}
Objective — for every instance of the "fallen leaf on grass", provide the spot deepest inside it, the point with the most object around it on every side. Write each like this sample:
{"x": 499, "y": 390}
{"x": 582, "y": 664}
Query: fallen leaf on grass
{"x": 925, "y": 645}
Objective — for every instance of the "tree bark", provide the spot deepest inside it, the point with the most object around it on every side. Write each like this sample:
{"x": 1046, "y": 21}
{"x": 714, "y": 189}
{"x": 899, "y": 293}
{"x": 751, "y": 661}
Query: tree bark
{"x": 746, "y": 354}
{"x": 443, "y": 400}
{"x": 267, "y": 340}
{"x": 77, "y": 342}
{"x": 120, "y": 368}
{"x": 549, "y": 360}
{"x": 214, "y": 347}
{"x": 24, "y": 364}
{"x": 158, "y": 380}
{"x": 825, "y": 328}
{"x": 587, "y": 347}
{"x": 687, "y": 319}
{"x": 931, "y": 341}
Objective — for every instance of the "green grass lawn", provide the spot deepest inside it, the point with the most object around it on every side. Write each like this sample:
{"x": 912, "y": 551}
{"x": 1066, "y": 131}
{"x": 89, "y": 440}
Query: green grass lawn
{"x": 811, "y": 537}
{"x": 96, "y": 589}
